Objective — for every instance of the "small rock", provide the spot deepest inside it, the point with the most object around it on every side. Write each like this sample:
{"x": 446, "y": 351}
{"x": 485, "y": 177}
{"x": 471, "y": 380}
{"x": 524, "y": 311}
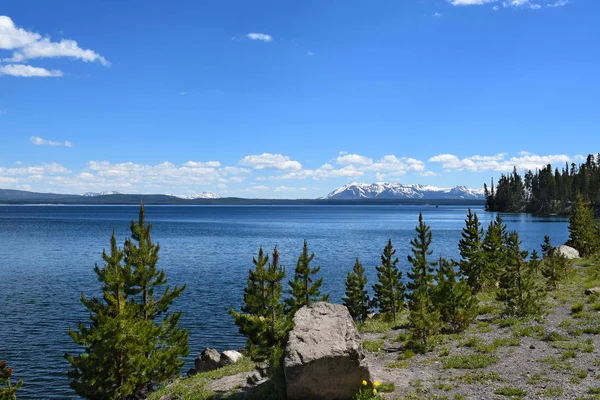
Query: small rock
{"x": 532, "y": 347}
{"x": 594, "y": 290}
{"x": 165, "y": 397}
{"x": 208, "y": 360}
{"x": 192, "y": 372}
{"x": 255, "y": 378}
{"x": 230, "y": 357}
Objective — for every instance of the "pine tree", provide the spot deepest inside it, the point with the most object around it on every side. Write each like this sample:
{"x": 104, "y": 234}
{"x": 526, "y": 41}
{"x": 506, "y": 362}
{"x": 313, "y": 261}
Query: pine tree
{"x": 150, "y": 292}
{"x": 255, "y": 294}
{"x": 519, "y": 290}
{"x": 472, "y": 263}
{"x": 303, "y": 290}
{"x": 454, "y": 299}
{"x": 265, "y": 327}
{"x": 536, "y": 265}
{"x": 493, "y": 244}
{"x": 424, "y": 316}
{"x": 7, "y": 390}
{"x": 114, "y": 364}
{"x": 357, "y": 299}
{"x": 583, "y": 233}
{"x": 389, "y": 291}
{"x": 554, "y": 264}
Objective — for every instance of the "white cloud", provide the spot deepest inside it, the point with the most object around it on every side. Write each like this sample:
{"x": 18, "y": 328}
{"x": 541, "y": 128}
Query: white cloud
{"x": 28, "y": 71}
{"x": 470, "y": 2}
{"x": 309, "y": 53}
{"x": 394, "y": 166}
{"x": 496, "y": 8}
{"x": 498, "y": 162}
{"x": 270, "y": 161}
{"x": 353, "y": 159}
{"x": 429, "y": 173}
{"x": 27, "y": 45}
{"x": 39, "y": 141}
{"x": 260, "y": 36}
{"x": 197, "y": 164}
{"x": 437, "y": 15}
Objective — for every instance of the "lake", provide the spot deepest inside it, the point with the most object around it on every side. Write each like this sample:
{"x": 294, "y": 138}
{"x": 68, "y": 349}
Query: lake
{"x": 47, "y": 255}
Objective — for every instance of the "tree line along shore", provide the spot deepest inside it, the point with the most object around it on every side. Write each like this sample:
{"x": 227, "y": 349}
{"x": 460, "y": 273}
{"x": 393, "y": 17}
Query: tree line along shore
{"x": 133, "y": 343}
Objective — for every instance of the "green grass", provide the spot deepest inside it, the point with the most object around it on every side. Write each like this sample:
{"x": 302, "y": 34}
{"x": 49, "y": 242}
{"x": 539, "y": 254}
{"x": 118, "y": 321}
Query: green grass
{"x": 373, "y": 345}
{"x": 193, "y": 388}
{"x": 510, "y": 391}
{"x": 478, "y": 377}
{"x": 407, "y": 355}
{"x": 551, "y": 392}
{"x": 398, "y": 365}
{"x": 536, "y": 379}
{"x": 376, "y": 325}
{"x": 443, "y": 386}
{"x": 386, "y": 387}
{"x": 473, "y": 361}
{"x": 577, "y": 308}
{"x": 594, "y": 390}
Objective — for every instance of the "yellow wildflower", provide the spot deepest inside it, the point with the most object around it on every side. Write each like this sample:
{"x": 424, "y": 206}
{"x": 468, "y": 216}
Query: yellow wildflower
{"x": 364, "y": 383}
{"x": 376, "y": 383}
{"x": 374, "y": 391}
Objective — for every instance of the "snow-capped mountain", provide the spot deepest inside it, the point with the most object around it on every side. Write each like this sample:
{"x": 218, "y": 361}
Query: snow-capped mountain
{"x": 107, "y": 193}
{"x": 355, "y": 190}
{"x": 203, "y": 195}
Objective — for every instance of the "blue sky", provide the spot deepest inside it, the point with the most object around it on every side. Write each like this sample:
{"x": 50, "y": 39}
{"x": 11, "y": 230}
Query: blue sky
{"x": 292, "y": 99}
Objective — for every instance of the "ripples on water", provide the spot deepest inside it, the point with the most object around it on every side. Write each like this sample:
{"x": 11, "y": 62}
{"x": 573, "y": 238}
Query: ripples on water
{"x": 47, "y": 254}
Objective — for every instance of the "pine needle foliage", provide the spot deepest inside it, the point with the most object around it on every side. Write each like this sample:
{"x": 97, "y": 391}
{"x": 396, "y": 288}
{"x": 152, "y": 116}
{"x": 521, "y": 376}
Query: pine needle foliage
{"x": 493, "y": 245}
{"x": 472, "y": 264}
{"x": 389, "y": 291}
{"x": 357, "y": 298}
{"x": 8, "y": 391}
{"x": 518, "y": 289}
{"x": 424, "y": 316}
{"x": 304, "y": 290}
{"x": 265, "y": 327}
{"x": 583, "y": 230}
{"x": 554, "y": 264}
{"x": 132, "y": 342}
{"x": 454, "y": 299}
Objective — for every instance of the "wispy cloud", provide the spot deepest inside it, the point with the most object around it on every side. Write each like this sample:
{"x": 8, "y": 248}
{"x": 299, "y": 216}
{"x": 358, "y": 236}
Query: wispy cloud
{"x": 309, "y": 54}
{"x": 437, "y": 15}
{"x": 3, "y": 111}
{"x": 259, "y": 36}
{"x": 27, "y": 71}
{"x": 38, "y": 141}
{"x": 470, "y": 2}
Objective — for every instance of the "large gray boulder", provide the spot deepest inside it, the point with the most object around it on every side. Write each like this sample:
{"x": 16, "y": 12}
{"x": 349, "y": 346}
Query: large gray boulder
{"x": 208, "y": 360}
{"x": 567, "y": 252}
{"x": 324, "y": 358}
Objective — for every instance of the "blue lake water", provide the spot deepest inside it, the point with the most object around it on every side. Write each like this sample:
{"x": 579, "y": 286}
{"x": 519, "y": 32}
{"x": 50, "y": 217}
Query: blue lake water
{"x": 47, "y": 255}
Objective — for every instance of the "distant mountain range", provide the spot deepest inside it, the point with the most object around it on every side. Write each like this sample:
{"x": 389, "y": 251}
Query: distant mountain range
{"x": 376, "y": 193}
{"x": 356, "y": 191}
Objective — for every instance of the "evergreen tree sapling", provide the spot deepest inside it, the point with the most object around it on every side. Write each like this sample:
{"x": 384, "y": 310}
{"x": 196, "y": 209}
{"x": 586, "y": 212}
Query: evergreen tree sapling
{"x": 519, "y": 290}
{"x": 304, "y": 290}
{"x": 554, "y": 264}
{"x": 424, "y": 316}
{"x": 150, "y": 291}
{"x": 114, "y": 364}
{"x": 389, "y": 291}
{"x": 265, "y": 328}
{"x": 583, "y": 230}
{"x": 472, "y": 263}
{"x": 493, "y": 250}
{"x": 357, "y": 299}
{"x": 454, "y": 299}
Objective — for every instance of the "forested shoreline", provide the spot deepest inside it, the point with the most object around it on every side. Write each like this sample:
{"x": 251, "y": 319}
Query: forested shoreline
{"x": 548, "y": 190}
